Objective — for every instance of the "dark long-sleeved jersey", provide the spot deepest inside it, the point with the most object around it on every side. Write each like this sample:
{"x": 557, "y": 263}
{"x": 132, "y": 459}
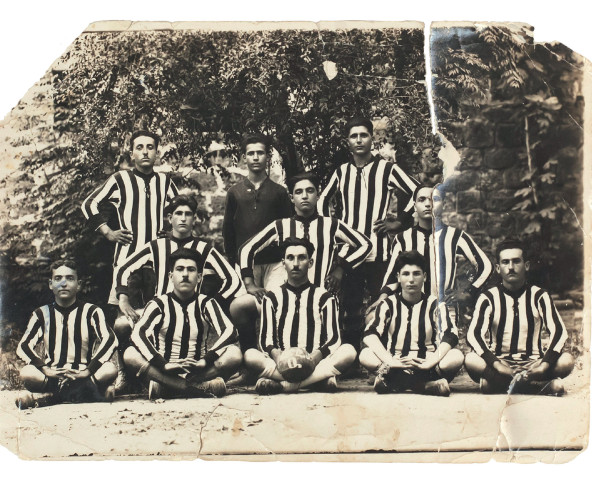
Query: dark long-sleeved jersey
{"x": 325, "y": 233}
{"x": 171, "y": 329}
{"x": 405, "y": 328}
{"x": 249, "y": 210}
{"x": 304, "y": 316}
{"x": 158, "y": 252}
{"x": 365, "y": 196}
{"x": 75, "y": 337}
{"x": 140, "y": 200}
{"x": 509, "y": 325}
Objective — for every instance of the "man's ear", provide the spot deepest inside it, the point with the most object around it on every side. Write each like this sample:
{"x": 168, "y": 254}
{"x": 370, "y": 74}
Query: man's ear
{"x": 49, "y": 282}
{"x": 398, "y": 277}
{"x": 310, "y": 262}
{"x": 527, "y": 265}
{"x": 291, "y": 197}
{"x": 497, "y": 268}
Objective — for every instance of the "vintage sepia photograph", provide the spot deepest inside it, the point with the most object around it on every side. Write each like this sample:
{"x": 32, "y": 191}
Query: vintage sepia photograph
{"x": 334, "y": 241}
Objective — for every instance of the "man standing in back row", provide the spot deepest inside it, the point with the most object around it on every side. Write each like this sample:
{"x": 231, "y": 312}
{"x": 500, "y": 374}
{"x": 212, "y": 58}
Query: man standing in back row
{"x": 251, "y": 205}
{"x": 139, "y": 195}
{"x": 366, "y": 184}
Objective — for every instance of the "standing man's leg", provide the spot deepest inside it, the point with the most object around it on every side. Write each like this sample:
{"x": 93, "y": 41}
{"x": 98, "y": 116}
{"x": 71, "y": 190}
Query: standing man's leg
{"x": 375, "y": 277}
{"x": 352, "y": 304}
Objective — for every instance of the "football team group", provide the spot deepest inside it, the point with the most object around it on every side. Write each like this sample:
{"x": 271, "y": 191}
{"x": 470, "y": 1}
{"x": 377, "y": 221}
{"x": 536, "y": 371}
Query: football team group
{"x": 301, "y": 299}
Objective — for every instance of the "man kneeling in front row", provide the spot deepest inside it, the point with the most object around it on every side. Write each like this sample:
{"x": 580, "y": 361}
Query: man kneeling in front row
{"x": 170, "y": 341}
{"x": 410, "y": 343}
{"x": 506, "y": 332}
{"x": 301, "y": 315}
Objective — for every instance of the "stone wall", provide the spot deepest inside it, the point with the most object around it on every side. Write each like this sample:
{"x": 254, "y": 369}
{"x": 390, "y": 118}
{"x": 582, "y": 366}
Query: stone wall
{"x": 482, "y": 192}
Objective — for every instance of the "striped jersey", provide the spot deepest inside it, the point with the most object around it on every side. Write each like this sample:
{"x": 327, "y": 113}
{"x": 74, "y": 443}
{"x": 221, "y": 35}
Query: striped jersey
{"x": 304, "y": 317}
{"x": 75, "y": 337}
{"x": 365, "y": 197}
{"x": 405, "y": 328}
{"x": 510, "y": 325}
{"x": 325, "y": 233}
{"x": 172, "y": 329}
{"x": 158, "y": 251}
{"x": 139, "y": 199}
{"x": 441, "y": 253}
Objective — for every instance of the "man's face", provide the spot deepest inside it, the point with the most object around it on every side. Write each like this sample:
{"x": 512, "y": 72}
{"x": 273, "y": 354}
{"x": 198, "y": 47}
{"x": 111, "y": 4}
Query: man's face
{"x": 423, "y": 203}
{"x": 64, "y": 284}
{"x": 144, "y": 152}
{"x": 184, "y": 276}
{"x": 304, "y": 197}
{"x": 182, "y": 220}
{"x": 359, "y": 141}
{"x": 297, "y": 263}
{"x": 256, "y": 157}
{"x": 411, "y": 278}
{"x": 512, "y": 267}
{"x": 437, "y": 203}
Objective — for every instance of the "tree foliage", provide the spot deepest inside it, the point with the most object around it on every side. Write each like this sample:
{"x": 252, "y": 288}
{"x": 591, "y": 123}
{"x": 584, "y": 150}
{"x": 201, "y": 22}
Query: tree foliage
{"x": 540, "y": 86}
{"x": 195, "y": 86}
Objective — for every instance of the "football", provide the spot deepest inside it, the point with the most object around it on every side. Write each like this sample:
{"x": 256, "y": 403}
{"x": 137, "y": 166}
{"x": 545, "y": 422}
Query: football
{"x": 295, "y": 364}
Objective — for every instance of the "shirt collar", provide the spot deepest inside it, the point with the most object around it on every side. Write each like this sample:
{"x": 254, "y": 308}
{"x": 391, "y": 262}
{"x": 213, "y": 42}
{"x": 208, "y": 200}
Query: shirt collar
{"x": 372, "y": 159}
{"x": 183, "y": 302}
{"x": 249, "y": 184}
{"x": 514, "y": 293}
{"x": 298, "y": 289}
{"x": 410, "y": 305}
{"x": 146, "y": 177}
{"x": 301, "y": 218}
{"x": 421, "y": 229}
{"x": 181, "y": 241}
{"x": 66, "y": 310}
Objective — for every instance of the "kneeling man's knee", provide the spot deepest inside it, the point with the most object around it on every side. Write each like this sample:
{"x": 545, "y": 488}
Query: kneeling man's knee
{"x": 133, "y": 359}
{"x": 564, "y": 366}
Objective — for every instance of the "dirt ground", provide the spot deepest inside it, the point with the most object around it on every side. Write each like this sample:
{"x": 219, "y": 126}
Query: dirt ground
{"x": 341, "y": 425}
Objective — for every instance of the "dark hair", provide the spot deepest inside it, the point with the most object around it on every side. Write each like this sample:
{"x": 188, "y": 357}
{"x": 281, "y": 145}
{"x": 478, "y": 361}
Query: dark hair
{"x": 304, "y": 176}
{"x": 294, "y": 242}
{"x": 508, "y": 244}
{"x": 419, "y": 188}
{"x": 180, "y": 201}
{"x": 410, "y": 258}
{"x": 144, "y": 133}
{"x": 359, "y": 121}
{"x": 64, "y": 262}
{"x": 185, "y": 253}
{"x": 255, "y": 139}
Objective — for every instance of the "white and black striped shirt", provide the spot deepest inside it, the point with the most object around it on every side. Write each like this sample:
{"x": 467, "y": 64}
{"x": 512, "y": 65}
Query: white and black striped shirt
{"x": 158, "y": 252}
{"x": 304, "y": 317}
{"x": 325, "y": 233}
{"x": 450, "y": 244}
{"x": 509, "y": 325}
{"x": 365, "y": 196}
{"x": 75, "y": 337}
{"x": 405, "y": 328}
{"x": 171, "y": 329}
{"x": 140, "y": 200}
